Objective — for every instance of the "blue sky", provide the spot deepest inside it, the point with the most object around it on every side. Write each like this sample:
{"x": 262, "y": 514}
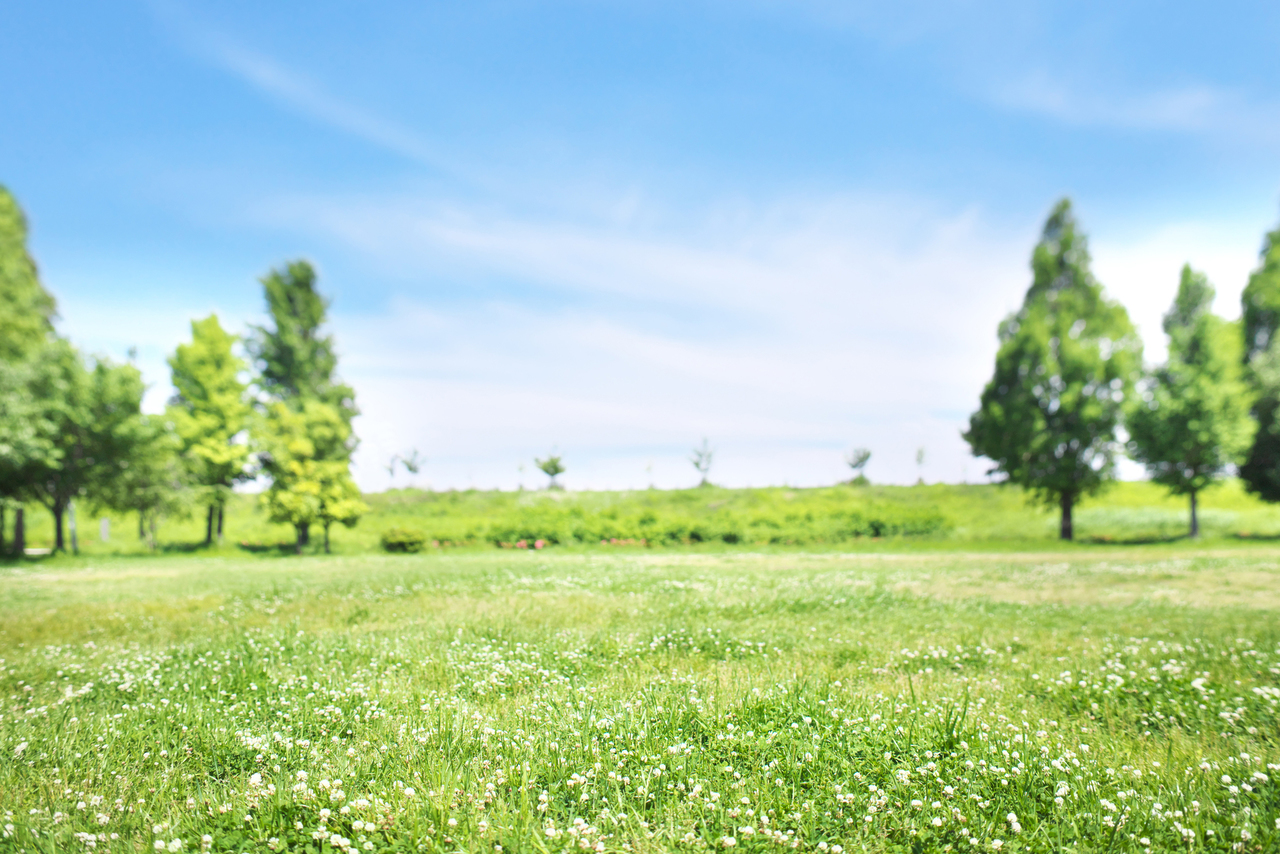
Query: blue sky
{"x": 618, "y": 227}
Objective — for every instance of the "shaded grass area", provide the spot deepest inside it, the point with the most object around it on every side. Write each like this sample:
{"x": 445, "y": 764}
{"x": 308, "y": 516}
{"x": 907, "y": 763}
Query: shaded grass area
{"x": 1123, "y": 700}
{"x": 940, "y": 516}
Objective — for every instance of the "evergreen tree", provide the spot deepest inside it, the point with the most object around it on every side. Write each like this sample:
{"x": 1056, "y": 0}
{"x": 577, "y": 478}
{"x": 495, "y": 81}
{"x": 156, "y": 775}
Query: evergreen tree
{"x": 306, "y": 433}
{"x": 1067, "y": 360}
{"x": 209, "y": 413}
{"x": 295, "y": 360}
{"x": 306, "y": 455}
{"x": 26, "y": 308}
{"x": 1193, "y": 419}
{"x": 1260, "y": 301}
{"x": 1260, "y": 317}
{"x": 26, "y": 326}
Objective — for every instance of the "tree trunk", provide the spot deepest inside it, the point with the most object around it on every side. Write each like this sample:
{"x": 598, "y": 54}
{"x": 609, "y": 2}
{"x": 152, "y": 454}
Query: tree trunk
{"x": 20, "y": 531}
{"x": 208, "y": 527}
{"x": 59, "y": 544}
{"x": 220, "y": 510}
{"x": 303, "y": 536}
{"x": 1, "y": 529}
{"x": 326, "y": 538}
{"x": 1195, "y": 516}
{"x": 142, "y": 525}
{"x": 71, "y": 518}
{"x": 1066, "y": 532}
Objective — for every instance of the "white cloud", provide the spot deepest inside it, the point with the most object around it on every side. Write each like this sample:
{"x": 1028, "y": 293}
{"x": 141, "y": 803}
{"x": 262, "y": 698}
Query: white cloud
{"x": 1197, "y": 108}
{"x": 1143, "y": 272}
{"x": 817, "y": 326}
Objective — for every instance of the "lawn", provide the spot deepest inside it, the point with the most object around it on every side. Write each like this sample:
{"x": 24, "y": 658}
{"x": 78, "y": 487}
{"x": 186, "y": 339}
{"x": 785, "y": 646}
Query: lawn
{"x": 929, "y": 517}
{"x": 1112, "y": 699}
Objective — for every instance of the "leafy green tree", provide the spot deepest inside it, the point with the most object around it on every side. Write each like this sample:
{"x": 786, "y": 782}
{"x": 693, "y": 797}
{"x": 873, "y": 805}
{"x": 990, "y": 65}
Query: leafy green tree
{"x": 210, "y": 412}
{"x": 307, "y": 433}
{"x": 1067, "y": 361}
{"x": 295, "y": 360}
{"x": 1260, "y": 318}
{"x": 1192, "y": 420}
{"x": 552, "y": 467}
{"x": 90, "y": 417}
{"x": 1260, "y": 301}
{"x": 26, "y": 308}
{"x": 306, "y": 452}
{"x": 25, "y": 440}
{"x": 26, "y": 326}
{"x": 156, "y": 483}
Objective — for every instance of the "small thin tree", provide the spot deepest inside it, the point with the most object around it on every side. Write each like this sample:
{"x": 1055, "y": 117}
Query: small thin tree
{"x": 701, "y": 459}
{"x": 857, "y": 460}
{"x": 552, "y": 468}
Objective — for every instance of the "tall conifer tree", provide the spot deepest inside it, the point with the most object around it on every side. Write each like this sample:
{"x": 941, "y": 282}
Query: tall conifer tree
{"x": 306, "y": 430}
{"x": 1067, "y": 360}
{"x": 210, "y": 412}
{"x": 1260, "y": 318}
{"x": 1192, "y": 420}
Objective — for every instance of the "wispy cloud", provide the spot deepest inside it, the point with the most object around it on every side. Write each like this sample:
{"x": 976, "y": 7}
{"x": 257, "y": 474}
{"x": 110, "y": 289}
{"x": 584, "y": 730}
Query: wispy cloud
{"x": 1195, "y": 109}
{"x": 295, "y": 91}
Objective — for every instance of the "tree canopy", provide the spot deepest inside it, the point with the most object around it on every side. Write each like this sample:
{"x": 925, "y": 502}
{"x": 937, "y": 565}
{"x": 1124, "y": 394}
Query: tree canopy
{"x": 1067, "y": 361}
{"x": 26, "y": 308}
{"x": 1192, "y": 420}
{"x": 296, "y": 360}
{"x": 209, "y": 412}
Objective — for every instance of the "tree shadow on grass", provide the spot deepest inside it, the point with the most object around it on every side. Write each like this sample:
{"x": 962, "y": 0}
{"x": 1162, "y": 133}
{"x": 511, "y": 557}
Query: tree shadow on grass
{"x": 1133, "y": 540}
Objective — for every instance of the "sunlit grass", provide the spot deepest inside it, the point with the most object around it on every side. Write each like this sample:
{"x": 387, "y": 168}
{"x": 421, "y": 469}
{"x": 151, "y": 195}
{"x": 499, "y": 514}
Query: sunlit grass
{"x": 1123, "y": 701}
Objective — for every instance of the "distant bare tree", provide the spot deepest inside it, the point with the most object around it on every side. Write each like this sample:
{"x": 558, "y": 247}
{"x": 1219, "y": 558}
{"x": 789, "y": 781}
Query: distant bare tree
{"x": 701, "y": 460}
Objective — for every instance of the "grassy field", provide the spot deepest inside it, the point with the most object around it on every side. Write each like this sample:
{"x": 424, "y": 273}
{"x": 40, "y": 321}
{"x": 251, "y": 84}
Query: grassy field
{"x": 938, "y": 516}
{"x": 1121, "y": 700}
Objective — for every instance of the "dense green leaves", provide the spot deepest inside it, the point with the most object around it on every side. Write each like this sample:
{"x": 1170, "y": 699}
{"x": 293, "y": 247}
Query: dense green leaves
{"x": 210, "y": 412}
{"x": 295, "y": 359}
{"x": 1067, "y": 360}
{"x": 306, "y": 429}
{"x": 90, "y": 427}
{"x": 1260, "y": 301}
{"x": 26, "y": 308}
{"x": 307, "y": 452}
{"x": 1193, "y": 419}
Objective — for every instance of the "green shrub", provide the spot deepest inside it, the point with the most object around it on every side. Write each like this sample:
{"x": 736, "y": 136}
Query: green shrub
{"x": 403, "y": 540}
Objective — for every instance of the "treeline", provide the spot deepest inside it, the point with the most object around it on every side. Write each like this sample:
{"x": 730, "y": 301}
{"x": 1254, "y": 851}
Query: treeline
{"x": 1070, "y": 391}
{"x": 72, "y": 429}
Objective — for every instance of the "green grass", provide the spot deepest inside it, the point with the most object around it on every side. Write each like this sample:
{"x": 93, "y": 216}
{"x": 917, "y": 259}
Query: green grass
{"x": 1119, "y": 700}
{"x": 939, "y": 516}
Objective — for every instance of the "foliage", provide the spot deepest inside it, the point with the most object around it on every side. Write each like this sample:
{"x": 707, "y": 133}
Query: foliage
{"x": 306, "y": 431}
{"x": 1193, "y": 419}
{"x": 1260, "y": 300}
{"x": 407, "y": 540}
{"x": 306, "y": 451}
{"x": 210, "y": 412}
{"x": 26, "y": 308}
{"x": 1067, "y": 361}
{"x": 295, "y": 360}
{"x": 553, "y": 704}
{"x": 551, "y": 467}
{"x": 91, "y": 422}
